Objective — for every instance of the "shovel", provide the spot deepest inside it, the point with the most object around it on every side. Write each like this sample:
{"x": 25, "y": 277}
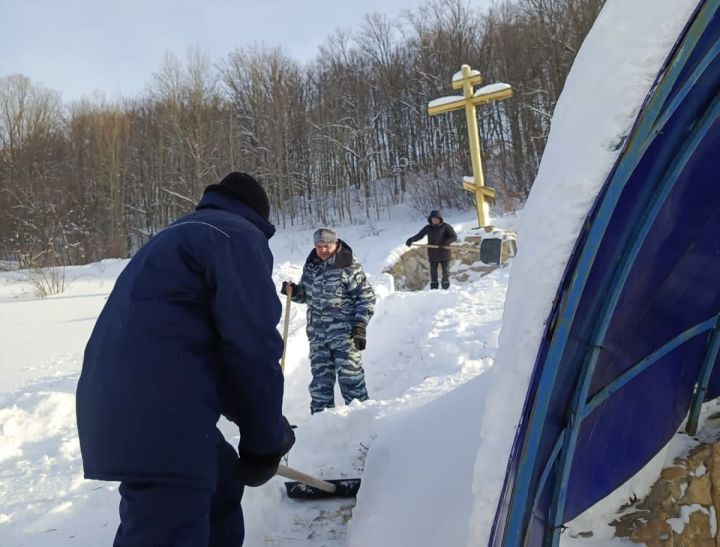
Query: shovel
{"x": 451, "y": 247}
{"x": 288, "y": 301}
{"x": 309, "y": 487}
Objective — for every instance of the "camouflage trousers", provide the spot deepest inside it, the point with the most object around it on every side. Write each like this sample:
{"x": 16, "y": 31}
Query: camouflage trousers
{"x": 331, "y": 358}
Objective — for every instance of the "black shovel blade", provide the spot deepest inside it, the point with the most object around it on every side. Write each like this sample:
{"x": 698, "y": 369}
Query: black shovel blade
{"x": 344, "y": 488}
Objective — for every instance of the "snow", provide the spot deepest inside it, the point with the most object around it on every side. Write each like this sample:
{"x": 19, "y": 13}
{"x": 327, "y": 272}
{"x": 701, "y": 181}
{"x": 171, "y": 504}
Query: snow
{"x": 42, "y": 330}
{"x": 678, "y": 524}
{"x": 491, "y": 88}
{"x": 421, "y": 346}
{"x": 459, "y": 75}
{"x": 445, "y": 100}
{"x": 447, "y": 384}
{"x": 485, "y": 90}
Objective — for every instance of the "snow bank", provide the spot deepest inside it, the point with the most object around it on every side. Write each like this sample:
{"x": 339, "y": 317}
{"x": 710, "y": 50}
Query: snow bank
{"x": 612, "y": 74}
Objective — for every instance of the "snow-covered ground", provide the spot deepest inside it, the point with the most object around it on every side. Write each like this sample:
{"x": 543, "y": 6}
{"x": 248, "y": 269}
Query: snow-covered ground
{"x": 432, "y": 444}
{"x": 420, "y": 345}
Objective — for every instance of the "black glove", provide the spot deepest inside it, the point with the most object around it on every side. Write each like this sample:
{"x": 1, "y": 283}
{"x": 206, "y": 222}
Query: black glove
{"x": 285, "y": 285}
{"x": 254, "y": 469}
{"x": 358, "y": 336}
{"x": 408, "y": 243}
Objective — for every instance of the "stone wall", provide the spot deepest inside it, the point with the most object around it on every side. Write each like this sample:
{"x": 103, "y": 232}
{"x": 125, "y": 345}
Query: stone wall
{"x": 412, "y": 270}
{"x": 681, "y": 507}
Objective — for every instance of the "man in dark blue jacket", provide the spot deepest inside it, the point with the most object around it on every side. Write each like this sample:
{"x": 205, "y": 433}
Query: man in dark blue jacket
{"x": 187, "y": 334}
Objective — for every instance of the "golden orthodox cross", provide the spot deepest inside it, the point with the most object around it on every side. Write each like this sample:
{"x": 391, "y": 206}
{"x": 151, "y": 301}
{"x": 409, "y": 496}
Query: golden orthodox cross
{"x": 465, "y": 80}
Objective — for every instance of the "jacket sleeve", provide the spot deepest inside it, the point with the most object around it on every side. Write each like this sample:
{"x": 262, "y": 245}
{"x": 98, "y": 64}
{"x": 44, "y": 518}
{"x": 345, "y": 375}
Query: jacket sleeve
{"x": 450, "y": 235}
{"x": 362, "y": 294}
{"x": 421, "y": 234}
{"x": 301, "y": 295}
{"x": 245, "y": 311}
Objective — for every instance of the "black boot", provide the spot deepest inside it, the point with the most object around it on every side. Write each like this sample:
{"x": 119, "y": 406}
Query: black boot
{"x": 433, "y": 286}
{"x": 446, "y": 285}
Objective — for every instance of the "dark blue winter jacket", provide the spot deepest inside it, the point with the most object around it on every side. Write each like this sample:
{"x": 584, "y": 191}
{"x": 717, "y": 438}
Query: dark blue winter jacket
{"x": 188, "y": 332}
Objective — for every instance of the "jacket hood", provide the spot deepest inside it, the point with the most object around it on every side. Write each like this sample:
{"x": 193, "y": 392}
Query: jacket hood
{"x": 435, "y": 213}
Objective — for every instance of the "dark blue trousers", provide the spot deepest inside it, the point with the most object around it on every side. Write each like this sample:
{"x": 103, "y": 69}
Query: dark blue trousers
{"x": 155, "y": 514}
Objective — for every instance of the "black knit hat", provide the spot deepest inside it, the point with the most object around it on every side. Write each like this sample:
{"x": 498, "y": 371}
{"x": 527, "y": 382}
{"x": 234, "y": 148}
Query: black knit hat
{"x": 246, "y": 189}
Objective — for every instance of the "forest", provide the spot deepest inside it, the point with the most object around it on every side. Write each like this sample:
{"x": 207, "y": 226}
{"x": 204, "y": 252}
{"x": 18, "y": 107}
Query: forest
{"x": 339, "y": 139}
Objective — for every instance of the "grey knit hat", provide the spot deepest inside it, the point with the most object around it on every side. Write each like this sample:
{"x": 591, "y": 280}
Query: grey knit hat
{"x": 324, "y": 235}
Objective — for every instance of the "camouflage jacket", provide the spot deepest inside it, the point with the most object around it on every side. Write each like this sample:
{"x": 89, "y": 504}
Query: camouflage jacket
{"x": 337, "y": 294}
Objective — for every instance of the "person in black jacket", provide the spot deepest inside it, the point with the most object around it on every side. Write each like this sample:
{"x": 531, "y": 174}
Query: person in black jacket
{"x": 440, "y": 235}
{"x": 188, "y": 334}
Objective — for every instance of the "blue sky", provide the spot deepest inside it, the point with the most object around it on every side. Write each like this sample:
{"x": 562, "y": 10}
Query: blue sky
{"x": 79, "y": 46}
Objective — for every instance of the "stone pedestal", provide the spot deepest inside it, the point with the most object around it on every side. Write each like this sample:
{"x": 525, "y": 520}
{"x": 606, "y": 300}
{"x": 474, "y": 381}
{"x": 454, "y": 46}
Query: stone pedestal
{"x": 496, "y": 246}
{"x": 474, "y": 253}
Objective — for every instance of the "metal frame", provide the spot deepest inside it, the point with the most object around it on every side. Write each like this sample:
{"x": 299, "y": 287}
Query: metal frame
{"x": 656, "y": 113}
{"x": 603, "y": 322}
{"x": 705, "y": 372}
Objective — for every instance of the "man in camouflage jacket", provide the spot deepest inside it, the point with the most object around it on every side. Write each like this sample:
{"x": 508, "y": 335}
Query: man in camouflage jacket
{"x": 340, "y": 303}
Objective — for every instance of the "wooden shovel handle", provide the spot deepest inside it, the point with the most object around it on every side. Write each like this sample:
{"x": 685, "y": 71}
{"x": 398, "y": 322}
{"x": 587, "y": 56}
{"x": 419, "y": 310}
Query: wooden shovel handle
{"x": 288, "y": 300}
{"x": 458, "y": 247}
{"x": 294, "y": 474}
